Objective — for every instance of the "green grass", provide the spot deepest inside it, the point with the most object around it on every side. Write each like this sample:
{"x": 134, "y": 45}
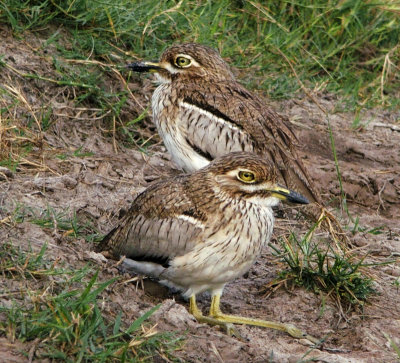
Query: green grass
{"x": 349, "y": 47}
{"x": 14, "y": 262}
{"x": 76, "y": 153}
{"x": 65, "y": 320}
{"x": 320, "y": 268}
{"x": 62, "y": 221}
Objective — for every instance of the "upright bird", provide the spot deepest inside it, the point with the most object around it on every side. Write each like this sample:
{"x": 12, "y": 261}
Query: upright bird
{"x": 202, "y": 112}
{"x": 201, "y": 230}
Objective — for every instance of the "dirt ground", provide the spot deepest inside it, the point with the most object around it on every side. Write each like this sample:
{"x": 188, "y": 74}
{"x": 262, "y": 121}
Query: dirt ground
{"x": 98, "y": 185}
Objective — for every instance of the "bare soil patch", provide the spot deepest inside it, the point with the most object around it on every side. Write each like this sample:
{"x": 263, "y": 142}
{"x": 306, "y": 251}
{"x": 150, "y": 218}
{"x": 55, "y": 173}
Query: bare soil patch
{"x": 99, "y": 181}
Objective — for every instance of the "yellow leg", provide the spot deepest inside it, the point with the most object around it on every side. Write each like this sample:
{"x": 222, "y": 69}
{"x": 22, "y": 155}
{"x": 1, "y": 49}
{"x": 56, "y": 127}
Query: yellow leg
{"x": 215, "y": 313}
{"x": 196, "y": 312}
{"x": 193, "y": 309}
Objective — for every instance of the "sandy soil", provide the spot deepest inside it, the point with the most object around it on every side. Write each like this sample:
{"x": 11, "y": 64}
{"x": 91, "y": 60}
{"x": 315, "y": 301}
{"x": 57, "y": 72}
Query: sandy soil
{"x": 97, "y": 187}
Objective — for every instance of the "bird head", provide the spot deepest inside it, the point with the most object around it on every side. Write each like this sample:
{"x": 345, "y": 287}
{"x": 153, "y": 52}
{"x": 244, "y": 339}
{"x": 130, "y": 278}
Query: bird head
{"x": 187, "y": 61}
{"x": 251, "y": 177}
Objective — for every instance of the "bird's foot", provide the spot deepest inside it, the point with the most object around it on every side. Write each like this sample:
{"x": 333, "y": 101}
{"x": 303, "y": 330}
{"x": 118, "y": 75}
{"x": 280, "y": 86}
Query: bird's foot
{"x": 288, "y": 328}
{"x": 228, "y": 327}
{"x": 227, "y": 322}
{"x": 299, "y": 334}
{"x": 216, "y": 314}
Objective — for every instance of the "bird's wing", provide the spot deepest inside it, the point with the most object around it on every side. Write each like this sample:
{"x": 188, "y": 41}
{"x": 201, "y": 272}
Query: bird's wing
{"x": 162, "y": 223}
{"x": 239, "y": 121}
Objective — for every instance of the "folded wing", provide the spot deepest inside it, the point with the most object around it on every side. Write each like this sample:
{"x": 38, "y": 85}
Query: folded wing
{"x": 239, "y": 121}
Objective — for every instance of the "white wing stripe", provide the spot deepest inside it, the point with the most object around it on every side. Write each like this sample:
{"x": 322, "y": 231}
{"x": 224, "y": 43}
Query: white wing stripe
{"x": 209, "y": 115}
{"x": 191, "y": 220}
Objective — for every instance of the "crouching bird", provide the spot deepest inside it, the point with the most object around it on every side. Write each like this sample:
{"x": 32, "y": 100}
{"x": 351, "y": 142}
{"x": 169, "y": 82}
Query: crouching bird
{"x": 202, "y": 230}
{"x": 202, "y": 112}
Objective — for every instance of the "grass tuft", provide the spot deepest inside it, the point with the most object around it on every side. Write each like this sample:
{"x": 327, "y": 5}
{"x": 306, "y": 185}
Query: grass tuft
{"x": 323, "y": 269}
{"x": 14, "y": 262}
{"x": 66, "y": 323}
{"x": 65, "y": 222}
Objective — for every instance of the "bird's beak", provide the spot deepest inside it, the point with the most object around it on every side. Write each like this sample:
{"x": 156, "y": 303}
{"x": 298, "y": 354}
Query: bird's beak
{"x": 288, "y": 195}
{"x": 144, "y": 66}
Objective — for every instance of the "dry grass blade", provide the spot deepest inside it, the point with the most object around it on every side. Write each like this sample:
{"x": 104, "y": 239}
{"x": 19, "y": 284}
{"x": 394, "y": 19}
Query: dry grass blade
{"x": 20, "y": 96}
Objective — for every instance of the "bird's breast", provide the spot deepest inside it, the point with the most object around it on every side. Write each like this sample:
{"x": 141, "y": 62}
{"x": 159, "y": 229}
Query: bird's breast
{"x": 172, "y": 129}
{"x": 162, "y": 102}
{"x": 229, "y": 251}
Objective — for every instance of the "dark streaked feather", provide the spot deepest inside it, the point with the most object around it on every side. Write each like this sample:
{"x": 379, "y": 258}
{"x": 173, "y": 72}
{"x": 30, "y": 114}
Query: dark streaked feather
{"x": 269, "y": 134}
{"x": 145, "y": 232}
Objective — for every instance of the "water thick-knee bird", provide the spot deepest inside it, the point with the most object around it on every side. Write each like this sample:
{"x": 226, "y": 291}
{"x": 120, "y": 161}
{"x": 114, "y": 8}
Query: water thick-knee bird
{"x": 201, "y": 230}
{"x": 202, "y": 112}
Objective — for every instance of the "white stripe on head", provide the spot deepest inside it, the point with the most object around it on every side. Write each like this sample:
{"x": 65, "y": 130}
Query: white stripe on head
{"x": 161, "y": 79}
{"x": 171, "y": 69}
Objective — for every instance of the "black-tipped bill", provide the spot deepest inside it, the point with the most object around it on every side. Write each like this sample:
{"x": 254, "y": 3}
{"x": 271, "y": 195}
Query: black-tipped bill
{"x": 144, "y": 66}
{"x": 289, "y": 195}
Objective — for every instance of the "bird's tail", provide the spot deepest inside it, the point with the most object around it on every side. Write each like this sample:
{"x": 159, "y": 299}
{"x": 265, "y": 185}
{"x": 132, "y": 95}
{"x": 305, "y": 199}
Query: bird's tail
{"x": 107, "y": 244}
{"x": 294, "y": 174}
{"x": 296, "y": 177}
{"x": 150, "y": 269}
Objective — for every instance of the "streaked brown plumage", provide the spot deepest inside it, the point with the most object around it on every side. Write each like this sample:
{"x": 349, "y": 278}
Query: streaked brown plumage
{"x": 202, "y": 230}
{"x": 202, "y": 112}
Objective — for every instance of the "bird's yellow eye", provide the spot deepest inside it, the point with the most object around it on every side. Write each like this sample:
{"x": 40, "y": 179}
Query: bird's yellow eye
{"x": 182, "y": 62}
{"x": 246, "y": 176}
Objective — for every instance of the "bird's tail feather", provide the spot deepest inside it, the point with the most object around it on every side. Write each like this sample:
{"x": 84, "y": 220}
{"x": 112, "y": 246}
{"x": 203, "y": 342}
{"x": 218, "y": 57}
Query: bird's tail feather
{"x": 296, "y": 177}
{"x": 108, "y": 242}
{"x": 150, "y": 269}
